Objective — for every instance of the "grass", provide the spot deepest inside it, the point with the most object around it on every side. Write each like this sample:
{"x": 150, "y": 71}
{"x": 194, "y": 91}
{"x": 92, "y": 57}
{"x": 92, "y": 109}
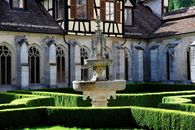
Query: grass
{"x": 74, "y": 128}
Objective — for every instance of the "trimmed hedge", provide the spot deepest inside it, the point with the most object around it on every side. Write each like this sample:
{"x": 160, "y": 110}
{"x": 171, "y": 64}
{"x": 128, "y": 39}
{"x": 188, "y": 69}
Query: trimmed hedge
{"x": 156, "y": 87}
{"x": 181, "y": 107}
{"x": 61, "y": 99}
{"x": 22, "y": 117}
{"x": 125, "y": 117}
{"x": 36, "y": 101}
{"x": 179, "y": 99}
{"x": 178, "y": 103}
{"x": 8, "y": 97}
{"x": 145, "y": 99}
{"x": 133, "y": 88}
{"x": 10, "y": 106}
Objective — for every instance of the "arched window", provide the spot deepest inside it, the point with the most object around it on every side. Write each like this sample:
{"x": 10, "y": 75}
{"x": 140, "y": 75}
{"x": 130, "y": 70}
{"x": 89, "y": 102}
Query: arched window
{"x": 84, "y": 70}
{"x": 126, "y": 65}
{"x": 188, "y": 66}
{"x": 60, "y": 59}
{"x": 168, "y": 65}
{"x": 107, "y": 67}
{"x": 34, "y": 65}
{"x": 5, "y": 66}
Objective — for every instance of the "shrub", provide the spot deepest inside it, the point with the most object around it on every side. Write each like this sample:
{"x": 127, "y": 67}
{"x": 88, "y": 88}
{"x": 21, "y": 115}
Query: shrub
{"x": 36, "y": 101}
{"x": 144, "y": 99}
{"x": 116, "y": 117}
{"x": 22, "y": 117}
{"x": 61, "y": 99}
{"x": 156, "y": 87}
{"x": 10, "y": 106}
{"x": 175, "y": 106}
{"x": 8, "y": 97}
{"x": 125, "y": 117}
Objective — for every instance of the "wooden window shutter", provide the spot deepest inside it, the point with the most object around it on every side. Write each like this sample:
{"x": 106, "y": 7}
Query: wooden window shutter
{"x": 90, "y": 9}
{"x": 102, "y": 10}
{"x": 73, "y": 8}
{"x": 117, "y": 12}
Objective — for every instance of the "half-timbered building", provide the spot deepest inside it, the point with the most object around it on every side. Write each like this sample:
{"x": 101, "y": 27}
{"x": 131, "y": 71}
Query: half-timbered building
{"x": 43, "y": 43}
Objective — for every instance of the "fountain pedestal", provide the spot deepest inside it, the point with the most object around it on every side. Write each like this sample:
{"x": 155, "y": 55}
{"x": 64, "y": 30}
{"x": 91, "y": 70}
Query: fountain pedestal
{"x": 99, "y": 91}
{"x": 98, "y": 88}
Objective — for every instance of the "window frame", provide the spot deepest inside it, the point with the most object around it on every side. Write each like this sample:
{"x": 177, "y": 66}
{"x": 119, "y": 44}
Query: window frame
{"x": 60, "y": 64}
{"x": 110, "y": 14}
{"x": 18, "y": 8}
{"x": 89, "y": 10}
{"x": 59, "y": 10}
{"x": 117, "y": 11}
{"x": 6, "y": 70}
{"x": 132, "y": 16}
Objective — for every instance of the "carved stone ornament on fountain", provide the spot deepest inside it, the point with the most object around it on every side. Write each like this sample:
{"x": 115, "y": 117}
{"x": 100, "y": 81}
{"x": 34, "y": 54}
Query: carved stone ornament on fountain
{"x": 98, "y": 88}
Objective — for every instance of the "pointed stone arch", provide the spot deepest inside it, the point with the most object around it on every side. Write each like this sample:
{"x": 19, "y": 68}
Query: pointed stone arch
{"x": 127, "y": 64}
{"x": 7, "y": 64}
{"x": 35, "y": 61}
{"x": 84, "y": 54}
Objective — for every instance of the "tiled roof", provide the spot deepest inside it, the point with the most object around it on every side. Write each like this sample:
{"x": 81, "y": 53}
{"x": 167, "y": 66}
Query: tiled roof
{"x": 177, "y": 22}
{"x": 145, "y": 22}
{"x": 34, "y": 19}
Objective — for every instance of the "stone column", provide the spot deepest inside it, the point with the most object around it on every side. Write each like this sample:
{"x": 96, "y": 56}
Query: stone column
{"x": 115, "y": 57}
{"x": 24, "y": 66}
{"x": 77, "y": 63}
{"x": 52, "y": 63}
{"x": 121, "y": 64}
{"x": 192, "y": 63}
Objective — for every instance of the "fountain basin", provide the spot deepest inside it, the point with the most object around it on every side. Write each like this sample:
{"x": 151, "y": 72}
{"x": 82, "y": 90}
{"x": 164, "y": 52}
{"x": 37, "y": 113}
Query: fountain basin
{"x": 99, "y": 91}
{"x": 98, "y": 62}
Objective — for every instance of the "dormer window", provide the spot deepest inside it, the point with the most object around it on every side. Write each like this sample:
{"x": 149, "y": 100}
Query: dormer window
{"x": 128, "y": 16}
{"x": 18, "y": 4}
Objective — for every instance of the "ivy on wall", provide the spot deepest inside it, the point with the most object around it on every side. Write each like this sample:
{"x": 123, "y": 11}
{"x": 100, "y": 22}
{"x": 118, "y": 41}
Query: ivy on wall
{"x": 178, "y": 4}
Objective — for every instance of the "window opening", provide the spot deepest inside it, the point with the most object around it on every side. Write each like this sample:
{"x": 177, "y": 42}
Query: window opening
{"x": 60, "y": 57}
{"x": 34, "y": 65}
{"x": 5, "y": 66}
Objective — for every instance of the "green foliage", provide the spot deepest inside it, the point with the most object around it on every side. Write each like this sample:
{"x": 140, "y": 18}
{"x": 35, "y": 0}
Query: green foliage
{"x": 62, "y": 99}
{"x": 10, "y": 106}
{"x": 175, "y": 106}
{"x": 116, "y": 117}
{"x": 91, "y": 118}
{"x": 163, "y": 119}
{"x": 177, "y": 4}
{"x": 22, "y": 117}
{"x": 155, "y": 87}
{"x": 36, "y": 101}
{"x": 144, "y": 99}
{"x": 8, "y": 97}
{"x": 55, "y": 128}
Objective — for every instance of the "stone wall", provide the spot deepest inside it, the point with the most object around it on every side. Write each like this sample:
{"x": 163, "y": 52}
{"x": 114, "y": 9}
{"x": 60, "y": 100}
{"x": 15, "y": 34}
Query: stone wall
{"x": 18, "y": 44}
{"x": 180, "y": 52}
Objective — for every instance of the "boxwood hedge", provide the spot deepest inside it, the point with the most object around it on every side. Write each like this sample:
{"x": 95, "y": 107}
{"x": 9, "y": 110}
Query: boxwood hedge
{"x": 115, "y": 117}
{"x": 140, "y": 99}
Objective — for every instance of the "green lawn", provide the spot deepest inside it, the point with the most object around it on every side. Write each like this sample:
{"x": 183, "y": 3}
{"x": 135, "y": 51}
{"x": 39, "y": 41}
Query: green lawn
{"x": 74, "y": 128}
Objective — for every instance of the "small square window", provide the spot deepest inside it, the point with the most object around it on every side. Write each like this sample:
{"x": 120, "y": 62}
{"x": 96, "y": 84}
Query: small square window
{"x": 18, "y": 4}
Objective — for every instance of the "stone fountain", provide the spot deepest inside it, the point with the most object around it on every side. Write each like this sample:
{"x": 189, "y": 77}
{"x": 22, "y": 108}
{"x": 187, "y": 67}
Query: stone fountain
{"x": 98, "y": 88}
